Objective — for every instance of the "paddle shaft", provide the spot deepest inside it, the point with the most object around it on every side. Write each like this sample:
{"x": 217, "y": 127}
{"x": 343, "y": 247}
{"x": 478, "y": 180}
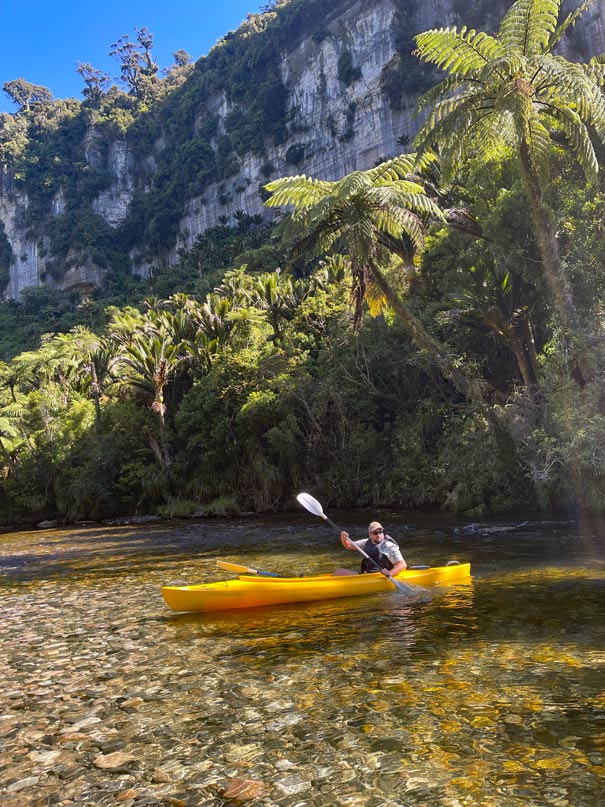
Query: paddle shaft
{"x": 405, "y": 589}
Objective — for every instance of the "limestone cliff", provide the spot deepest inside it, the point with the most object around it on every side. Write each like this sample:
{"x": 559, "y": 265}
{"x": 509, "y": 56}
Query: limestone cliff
{"x": 339, "y": 115}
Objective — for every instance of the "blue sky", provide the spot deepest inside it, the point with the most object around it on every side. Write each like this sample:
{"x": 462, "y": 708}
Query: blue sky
{"x": 42, "y": 41}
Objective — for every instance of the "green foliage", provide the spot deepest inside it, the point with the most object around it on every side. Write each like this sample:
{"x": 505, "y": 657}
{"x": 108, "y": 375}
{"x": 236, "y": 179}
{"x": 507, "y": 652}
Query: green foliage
{"x": 482, "y": 469}
{"x": 348, "y": 73}
{"x": 509, "y": 92}
{"x": 86, "y": 483}
{"x": 222, "y": 507}
{"x": 179, "y": 508}
{"x": 448, "y": 385}
{"x": 405, "y": 76}
{"x": 509, "y": 89}
{"x": 39, "y": 310}
{"x": 295, "y": 153}
{"x": 23, "y": 93}
{"x": 44, "y": 145}
{"x": 6, "y": 258}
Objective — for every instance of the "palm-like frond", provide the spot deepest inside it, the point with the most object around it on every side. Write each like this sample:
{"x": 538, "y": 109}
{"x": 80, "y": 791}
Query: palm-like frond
{"x": 529, "y": 25}
{"x": 504, "y": 68}
{"x": 541, "y": 146}
{"x": 513, "y": 100}
{"x": 400, "y": 167}
{"x": 300, "y": 191}
{"x": 365, "y": 215}
{"x": 459, "y": 52}
{"x": 413, "y": 227}
{"x": 577, "y": 136}
{"x": 458, "y": 110}
{"x": 569, "y": 21}
{"x": 570, "y": 85}
{"x": 450, "y": 87}
{"x": 595, "y": 69}
{"x": 15, "y": 410}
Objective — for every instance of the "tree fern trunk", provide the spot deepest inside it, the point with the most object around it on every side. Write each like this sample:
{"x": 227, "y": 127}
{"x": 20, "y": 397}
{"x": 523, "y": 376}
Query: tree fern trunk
{"x": 554, "y": 274}
{"x": 96, "y": 396}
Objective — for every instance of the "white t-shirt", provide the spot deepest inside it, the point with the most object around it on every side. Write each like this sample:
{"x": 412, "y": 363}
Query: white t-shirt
{"x": 387, "y": 547}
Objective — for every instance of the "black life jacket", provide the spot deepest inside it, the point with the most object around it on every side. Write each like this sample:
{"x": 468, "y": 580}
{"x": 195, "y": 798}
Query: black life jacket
{"x": 374, "y": 551}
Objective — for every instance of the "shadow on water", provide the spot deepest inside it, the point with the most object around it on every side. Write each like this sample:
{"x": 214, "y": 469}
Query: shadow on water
{"x": 111, "y": 551}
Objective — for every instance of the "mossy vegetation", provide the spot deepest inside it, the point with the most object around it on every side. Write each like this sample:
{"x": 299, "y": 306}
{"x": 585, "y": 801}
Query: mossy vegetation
{"x": 393, "y": 339}
{"x": 57, "y": 150}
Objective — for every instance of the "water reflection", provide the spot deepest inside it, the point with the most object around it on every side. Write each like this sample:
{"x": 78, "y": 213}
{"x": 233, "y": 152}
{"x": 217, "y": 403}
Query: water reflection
{"x": 488, "y": 693}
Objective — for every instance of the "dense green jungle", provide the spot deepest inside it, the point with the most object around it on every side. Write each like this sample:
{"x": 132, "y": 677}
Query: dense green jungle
{"x": 424, "y": 334}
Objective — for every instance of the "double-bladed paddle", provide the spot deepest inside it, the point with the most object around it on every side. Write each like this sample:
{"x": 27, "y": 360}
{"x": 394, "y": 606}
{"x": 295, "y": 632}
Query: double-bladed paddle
{"x": 313, "y": 506}
{"x": 236, "y": 567}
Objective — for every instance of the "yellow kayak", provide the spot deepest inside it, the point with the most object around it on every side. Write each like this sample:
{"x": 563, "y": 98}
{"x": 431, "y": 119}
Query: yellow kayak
{"x": 250, "y": 591}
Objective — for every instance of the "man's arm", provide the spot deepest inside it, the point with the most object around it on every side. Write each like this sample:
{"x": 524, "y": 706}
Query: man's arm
{"x": 398, "y": 567}
{"x": 394, "y": 555}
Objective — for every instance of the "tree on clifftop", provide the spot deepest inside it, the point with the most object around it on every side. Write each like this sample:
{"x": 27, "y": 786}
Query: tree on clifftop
{"x": 138, "y": 68}
{"x": 23, "y": 93}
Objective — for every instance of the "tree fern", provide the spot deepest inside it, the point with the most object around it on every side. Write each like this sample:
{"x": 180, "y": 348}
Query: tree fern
{"x": 510, "y": 90}
{"x": 369, "y": 216}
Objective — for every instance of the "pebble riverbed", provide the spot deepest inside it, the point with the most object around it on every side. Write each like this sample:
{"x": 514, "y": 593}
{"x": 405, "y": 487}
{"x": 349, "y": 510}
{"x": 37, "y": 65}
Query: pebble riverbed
{"x": 109, "y": 698}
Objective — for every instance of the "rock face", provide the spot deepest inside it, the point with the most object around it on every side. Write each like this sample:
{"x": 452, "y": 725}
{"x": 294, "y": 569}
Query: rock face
{"x": 114, "y": 203}
{"x": 339, "y": 128}
{"x": 336, "y": 126}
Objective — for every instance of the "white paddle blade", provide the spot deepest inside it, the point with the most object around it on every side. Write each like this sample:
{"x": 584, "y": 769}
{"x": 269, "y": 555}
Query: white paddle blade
{"x": 310, "y": 504}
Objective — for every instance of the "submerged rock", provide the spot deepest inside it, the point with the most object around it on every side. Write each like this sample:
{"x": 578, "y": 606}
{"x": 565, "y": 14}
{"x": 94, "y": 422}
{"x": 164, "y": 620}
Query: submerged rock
{"x": 239, "y": 791}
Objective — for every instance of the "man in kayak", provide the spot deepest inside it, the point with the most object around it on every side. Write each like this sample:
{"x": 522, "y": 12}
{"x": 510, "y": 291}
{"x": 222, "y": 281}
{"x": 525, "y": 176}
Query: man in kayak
{"x": 381, "y": 548}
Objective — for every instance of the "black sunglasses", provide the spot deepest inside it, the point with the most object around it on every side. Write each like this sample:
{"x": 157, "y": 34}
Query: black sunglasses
{"x": 376, "y": 532}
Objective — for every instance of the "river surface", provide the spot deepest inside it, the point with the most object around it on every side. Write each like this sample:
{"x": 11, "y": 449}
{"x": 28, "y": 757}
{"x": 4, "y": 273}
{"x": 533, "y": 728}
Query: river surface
{"x": 485, "y": 694}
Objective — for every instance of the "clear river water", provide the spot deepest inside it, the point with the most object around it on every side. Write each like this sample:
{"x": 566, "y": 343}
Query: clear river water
{"x": 485, "y": 694}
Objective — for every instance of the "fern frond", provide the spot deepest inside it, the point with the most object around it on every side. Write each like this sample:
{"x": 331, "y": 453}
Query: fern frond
{"x": 459, "y": 52}
{"x": 462, "y": 106}
{"x": 569, "y": 22}
{"x": 505, "y": 67}
{"x": 352, "y": 184}
{"x": 541, "y": 146}
{"x": 529, "y": 25}
{"x": 14, "y": 410}
{"x": 569, "y": 84}
{"x": 595, "y": 69}
{"x": 301, "y": 191}
{"x": 422, "y": 204}
{"x": 388, "y": 222}
{"x": 449, "y": 87}
{"x": 577, "y": 136}
{"x": 400, "y": 186}
{"x": 375, "y": 299}
{"x": 413, "y": 227}
{"x": 396, "y": 168}
{"x": 489, "y": 134}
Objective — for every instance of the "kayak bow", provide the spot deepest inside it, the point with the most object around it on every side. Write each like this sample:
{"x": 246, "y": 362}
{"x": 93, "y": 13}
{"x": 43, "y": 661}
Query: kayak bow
{"x": 250, "y": 591}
